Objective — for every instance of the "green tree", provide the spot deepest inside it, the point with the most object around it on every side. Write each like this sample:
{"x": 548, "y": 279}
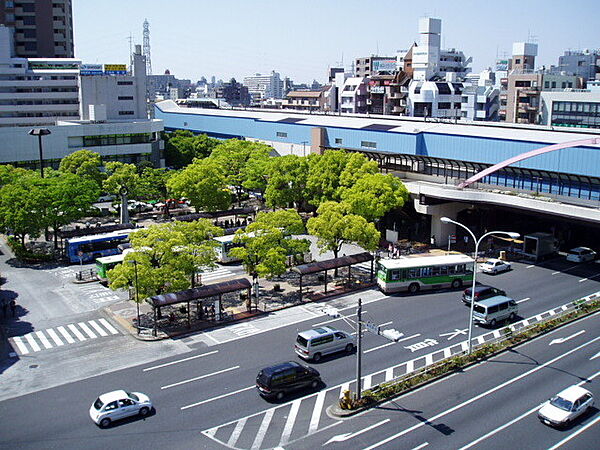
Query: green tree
{"x": 9, "y": 174}
{"x": 182, "y": 147}
{"x": 83, "y": 163}
{"x": 287, "y": 220}
{"x": 121, "y": 175}
{"x": 153, "y": 183}
{"x": 334, "y": 226}
{"x": 203, "y": 184}
{"x": 357, "y": 166}
{"x": 68, "y": 197}
{"x": 22, "y": 206}
{"x": 374, "y": 195}
{"x": 287, "y": 179}
{"x": 324, "y": 175}
{"x": 167, "y": 256}
{"x": 235, "y": 157}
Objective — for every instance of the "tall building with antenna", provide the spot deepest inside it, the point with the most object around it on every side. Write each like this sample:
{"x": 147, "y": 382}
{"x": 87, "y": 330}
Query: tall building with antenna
{"x": 146, "y": 47}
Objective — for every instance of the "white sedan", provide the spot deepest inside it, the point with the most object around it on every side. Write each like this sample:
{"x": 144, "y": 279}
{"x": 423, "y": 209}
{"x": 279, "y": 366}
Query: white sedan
{"x": 117, "y": 405}
{"x": 566, "y": 406}
{"x": 494, "y": 266}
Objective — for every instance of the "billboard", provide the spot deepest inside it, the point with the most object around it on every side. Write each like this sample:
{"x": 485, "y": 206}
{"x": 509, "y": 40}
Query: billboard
{"x": 115, "y": 69}
{"x": 91, "y": 69}
{"x": 384, "y": 65}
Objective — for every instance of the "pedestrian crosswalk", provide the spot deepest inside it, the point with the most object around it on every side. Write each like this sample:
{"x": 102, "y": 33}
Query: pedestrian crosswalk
{"x": 65, "y": 334}
{"x": 221, "y": 272}
{"x": 364, "y": 266}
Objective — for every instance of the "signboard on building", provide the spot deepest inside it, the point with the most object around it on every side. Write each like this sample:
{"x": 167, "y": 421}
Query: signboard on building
{"x": 91, "y": 69}
{"x": 115, "y": 69}
{"x": 384, "y": 65}
{"x": 501, "y": 64}
{"x": 377, "y": 90}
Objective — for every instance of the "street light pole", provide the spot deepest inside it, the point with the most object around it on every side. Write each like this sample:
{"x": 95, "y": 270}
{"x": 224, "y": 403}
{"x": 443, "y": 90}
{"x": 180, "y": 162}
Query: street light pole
{"x": 39, "y": 132}
{"x": 477, "y": 242}
{"x": 358, "y": 348}
{"x": 137, "y": 298}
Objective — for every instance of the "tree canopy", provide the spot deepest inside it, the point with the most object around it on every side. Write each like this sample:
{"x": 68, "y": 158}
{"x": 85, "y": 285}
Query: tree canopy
{"x": 182, "y": 147}
{"x": 121, "y": 175}
{"x": 83, "y": 163}
{"x": 287, "y": 179}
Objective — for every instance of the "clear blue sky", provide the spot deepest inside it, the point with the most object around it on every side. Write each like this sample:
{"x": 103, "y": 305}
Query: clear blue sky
{"x": 301, "y": 39}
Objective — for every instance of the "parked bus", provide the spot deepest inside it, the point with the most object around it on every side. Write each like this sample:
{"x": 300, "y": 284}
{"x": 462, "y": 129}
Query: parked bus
{"x": 104, "y": 264}
{"x": 424, "y": 272}
{"x": 225, "y": 244}
{"x": 89, "y": 248}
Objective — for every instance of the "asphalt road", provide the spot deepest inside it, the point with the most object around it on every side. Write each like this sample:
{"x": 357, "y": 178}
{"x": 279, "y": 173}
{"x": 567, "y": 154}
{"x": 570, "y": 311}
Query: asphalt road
{"x": 206, "y": 398}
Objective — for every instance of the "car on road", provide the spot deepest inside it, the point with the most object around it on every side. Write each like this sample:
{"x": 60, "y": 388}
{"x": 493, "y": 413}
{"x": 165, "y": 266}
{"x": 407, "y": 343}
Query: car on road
{"x": 581, "y": 254}
{"x": 279, "y": 380}
{"x": 134, "y": 206}
{"x": 566, "y": 406}
{"x": 118, "y": 405}
{"x": 496, "y": 309}
{"x": 313, "y": 344}
{"x": 482, "y": 291}
{"x": 494, "y": 266}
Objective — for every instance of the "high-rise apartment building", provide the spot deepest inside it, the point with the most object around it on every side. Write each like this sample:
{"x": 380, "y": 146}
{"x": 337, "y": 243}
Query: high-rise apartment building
{"x": 262, "y": 87}
{"x": 42, "y": 28}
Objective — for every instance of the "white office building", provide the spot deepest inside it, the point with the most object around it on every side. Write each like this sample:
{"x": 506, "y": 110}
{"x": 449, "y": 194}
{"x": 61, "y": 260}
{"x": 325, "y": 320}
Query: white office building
{"x": 353, "y": 97}
{"x": 262, "y": 87}
{"x": 571, "y": 108}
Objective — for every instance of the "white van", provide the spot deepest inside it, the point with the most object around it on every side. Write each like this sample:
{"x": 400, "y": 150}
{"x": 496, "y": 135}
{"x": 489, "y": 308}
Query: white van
{"x": 313, "y": 344}
{"x": 492, "y": 310}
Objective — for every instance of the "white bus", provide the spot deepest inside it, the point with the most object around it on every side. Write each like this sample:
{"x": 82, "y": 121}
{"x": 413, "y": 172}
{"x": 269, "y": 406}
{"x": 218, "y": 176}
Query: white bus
{"x": 424, "y": 272}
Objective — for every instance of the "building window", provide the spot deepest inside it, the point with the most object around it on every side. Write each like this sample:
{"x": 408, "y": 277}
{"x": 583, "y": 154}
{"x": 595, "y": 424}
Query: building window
{"x": 28, "y": 7}
{"x": 546, "y": 84}
{"x": 281, "y": 134}
{"x": 368, "y": 144}
{"x": 444, "y": 105}
{"x": 126, "y": 113}
{"x": 30, "y": 46}
{"x": 124, "y": 83}
{"x": 338, "y": 140}
{"x": 125, "y": 97}
{"x": 29, "y": 20}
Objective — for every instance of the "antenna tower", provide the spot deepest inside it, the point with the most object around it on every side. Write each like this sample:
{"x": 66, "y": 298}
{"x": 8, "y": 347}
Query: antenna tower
{"x": 146, "y": 47}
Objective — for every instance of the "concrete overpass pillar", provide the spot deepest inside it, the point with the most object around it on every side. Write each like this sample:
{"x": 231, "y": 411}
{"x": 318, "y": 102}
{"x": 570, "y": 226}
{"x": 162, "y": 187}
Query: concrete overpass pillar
{"x": 439, "y": 230}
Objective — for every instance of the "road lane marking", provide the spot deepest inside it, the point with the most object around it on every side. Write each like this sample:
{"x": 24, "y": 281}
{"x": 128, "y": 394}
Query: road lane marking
{"x": 582, "y": 280}
{"x": 334, "y": 320}
{"x": 577, "y": 433}
{"x": 409, "y": 337}
{"x": 524, "y": 300}
{"x": 148, "y": 369}
{"x": 87, "y": 330}
{"x": 236, "y": 433}
{"x": 377, "y": 348}
{"x": 316, "y": 414}
{"x": 34, "y": 345}
{"x": 386, "y": 324}
{"x": 423, "y": 445}
{"x": 22, "y": 347}
{"x": 314, "y": 313}
{"x": 43, "y": 339}
{"x": 55, "y": 337}
{"x": 565, "y": 339}
{"x": 480, "y": 396}
{"x": 108, "y": 326}
{"x": 289, "y": 423}
{"x": 530, "y": 266}
{"x": 262, "y": 431}
{"x": 66, "y": 335}
{"x": 506, "y": 425}
{"x": 347, "y": 436}
{"x": 217, "y": 398}
{"x": 179, "y": 383}
{"x": 98, "y": 328}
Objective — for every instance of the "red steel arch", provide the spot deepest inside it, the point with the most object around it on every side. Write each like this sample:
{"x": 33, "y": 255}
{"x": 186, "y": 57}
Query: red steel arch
{"x": 526, "y": 155}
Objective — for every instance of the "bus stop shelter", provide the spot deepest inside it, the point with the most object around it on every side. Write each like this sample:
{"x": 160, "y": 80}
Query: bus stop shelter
{"x": 332, "y": 264}
{"x": 198, "y": 294}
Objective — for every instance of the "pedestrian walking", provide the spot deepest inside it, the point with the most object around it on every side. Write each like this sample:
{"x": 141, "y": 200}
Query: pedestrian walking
{"x": 13, "y": 308}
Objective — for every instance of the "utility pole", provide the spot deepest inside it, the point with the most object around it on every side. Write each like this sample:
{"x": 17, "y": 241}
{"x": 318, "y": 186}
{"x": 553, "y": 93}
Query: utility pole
{"x": 358, "y": 348}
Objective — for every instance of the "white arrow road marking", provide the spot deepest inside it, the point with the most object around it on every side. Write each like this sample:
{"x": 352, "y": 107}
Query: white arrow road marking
{"x": 597, "y": 355}
{"x": 347, "y": 436}
{"x": 565, "y": 339}
{"x": 455, "y": 333}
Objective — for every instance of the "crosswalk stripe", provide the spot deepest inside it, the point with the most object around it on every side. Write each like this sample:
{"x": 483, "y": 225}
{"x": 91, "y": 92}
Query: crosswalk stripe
{"x": 87, "y": 330}
{"x": 262, "y": 431}
{"x": 42, "y": 337}
{"x": 98, "y": 328}
{"x": 66, "y": 335}
{"x": 289, "y": 423}
{"x": 316, "y": 415}
{"x": 22, "y": 347}
{"x": 76, "y": 332}
{"x": 54, "y": 337}
{"x": 108, "y": 326}
{"x": 236, "y": 432}
{"x": 34, "y": 345}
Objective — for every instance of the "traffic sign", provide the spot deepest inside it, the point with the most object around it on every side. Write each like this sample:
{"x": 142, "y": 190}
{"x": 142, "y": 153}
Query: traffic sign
{"x": 452, "y": 238}
{"x": 371, "y": 327}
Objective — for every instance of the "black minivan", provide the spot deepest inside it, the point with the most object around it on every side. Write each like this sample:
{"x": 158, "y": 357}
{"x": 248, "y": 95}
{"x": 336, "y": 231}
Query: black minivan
{"x": 278, "y": 380}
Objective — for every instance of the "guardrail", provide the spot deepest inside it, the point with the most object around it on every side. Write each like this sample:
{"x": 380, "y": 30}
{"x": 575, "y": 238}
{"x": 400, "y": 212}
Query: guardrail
{"x": 501, "y": 335}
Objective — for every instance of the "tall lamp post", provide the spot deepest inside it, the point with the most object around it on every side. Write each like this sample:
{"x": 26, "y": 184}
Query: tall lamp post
{"x": 477, "y": 242}
{"x": 39, "y": 132}
{"x": 137, "y": 298}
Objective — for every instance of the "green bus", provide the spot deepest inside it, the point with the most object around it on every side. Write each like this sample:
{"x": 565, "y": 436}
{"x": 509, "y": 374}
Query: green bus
{"x": 104, "y": 264}
{"x": 424, "y": 272}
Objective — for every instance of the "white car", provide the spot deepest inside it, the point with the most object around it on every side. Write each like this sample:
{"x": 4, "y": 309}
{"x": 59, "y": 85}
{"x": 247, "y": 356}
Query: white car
{"x": 581, "y": 254}
{"x": 566, "y": 406}
{"x": 494, "y": 266}
{"x": 117, "y": 405}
